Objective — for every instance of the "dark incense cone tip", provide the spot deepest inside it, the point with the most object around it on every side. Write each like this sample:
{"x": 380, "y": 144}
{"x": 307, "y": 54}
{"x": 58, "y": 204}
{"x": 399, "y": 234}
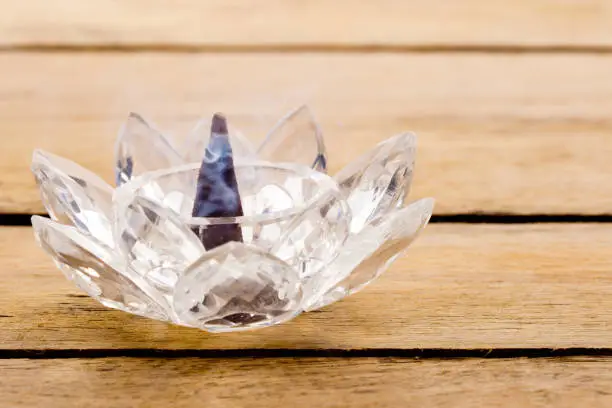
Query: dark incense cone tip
{"x": 219, "y": 124}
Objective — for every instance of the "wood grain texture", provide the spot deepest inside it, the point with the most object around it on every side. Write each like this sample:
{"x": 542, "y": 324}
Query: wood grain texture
{"x": 515, "y": 134}
{"x": 460, "y": 287}
{"x": 294, "y": 23}
{"x": 539, "y": 383}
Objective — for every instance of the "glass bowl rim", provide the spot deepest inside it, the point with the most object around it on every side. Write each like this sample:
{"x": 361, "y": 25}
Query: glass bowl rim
{"x": 327, "y": 187}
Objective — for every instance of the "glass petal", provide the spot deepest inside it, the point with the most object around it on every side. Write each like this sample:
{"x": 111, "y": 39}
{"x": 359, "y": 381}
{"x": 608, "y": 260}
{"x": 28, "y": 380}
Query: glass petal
{"x": 198, "y": 139}
{"x": 316, "y": 236}
{"x": 141, "y": 148}
{"x": 378, "y": 181}
{"x": 296, "y": 138}
{"x": 73, "y": 195}
{"x": 93, "y": 269}
{"x": 368, "y": 254}
{"x": 237, "y": 287}
{"x": 155, "y": 243}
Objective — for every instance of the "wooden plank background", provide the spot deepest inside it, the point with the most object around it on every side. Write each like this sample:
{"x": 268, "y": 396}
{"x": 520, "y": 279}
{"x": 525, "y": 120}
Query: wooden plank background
{"x": 460, "y": 287}
{"x": 293, "y": 23}
{"x": 512, "y": 104}
{"x": 366, "y": 382}
{"x": 522, "y": 134}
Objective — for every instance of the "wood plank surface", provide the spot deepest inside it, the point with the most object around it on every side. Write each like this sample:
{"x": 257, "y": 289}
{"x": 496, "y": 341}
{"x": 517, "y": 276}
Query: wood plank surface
{"x": 512, "y": 104}
{"x": 295, "y": 23}
{"x": 371, "y": 382}
{"x": 460, "y": 287}
{"x": 521, "y": 134}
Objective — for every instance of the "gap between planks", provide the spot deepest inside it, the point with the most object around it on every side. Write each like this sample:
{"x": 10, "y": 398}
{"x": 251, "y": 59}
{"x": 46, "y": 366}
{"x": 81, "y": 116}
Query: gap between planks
{"x": 24, "y": 220}
{"x": 421, "y": 353}
{"x": 308, "y": 48}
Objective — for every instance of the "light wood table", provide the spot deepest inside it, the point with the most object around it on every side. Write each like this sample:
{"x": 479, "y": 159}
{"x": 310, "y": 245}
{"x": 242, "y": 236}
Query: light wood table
{"x": 504, "y": 301}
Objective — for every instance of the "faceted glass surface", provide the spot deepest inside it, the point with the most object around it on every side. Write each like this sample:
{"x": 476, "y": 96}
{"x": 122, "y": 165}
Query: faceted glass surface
{"x": 141, "y": 148}
{"x": 173, "y": 188}
{"x": 296, "y": 138}
{"x": 273, "y": 197}
{"x": 234, "y": 287}
{"x": 367, "y": 254}
{"x": 378, "y": 181}
{"x": 74, "y": 196}
{"x": 173, "y": 242}
{"x": 198, "y": 139}
{"x": 92, "y": 267}
{"x": 155, "y": 243}
{"x": 315, "y": 237}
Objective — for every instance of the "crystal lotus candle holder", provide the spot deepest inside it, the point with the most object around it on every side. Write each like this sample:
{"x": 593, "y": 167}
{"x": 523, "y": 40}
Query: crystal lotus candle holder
{"x": 222, "y": 236}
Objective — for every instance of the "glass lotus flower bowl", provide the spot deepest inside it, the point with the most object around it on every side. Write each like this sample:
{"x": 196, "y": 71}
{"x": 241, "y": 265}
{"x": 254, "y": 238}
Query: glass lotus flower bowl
{"x": 221, "y": 235}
